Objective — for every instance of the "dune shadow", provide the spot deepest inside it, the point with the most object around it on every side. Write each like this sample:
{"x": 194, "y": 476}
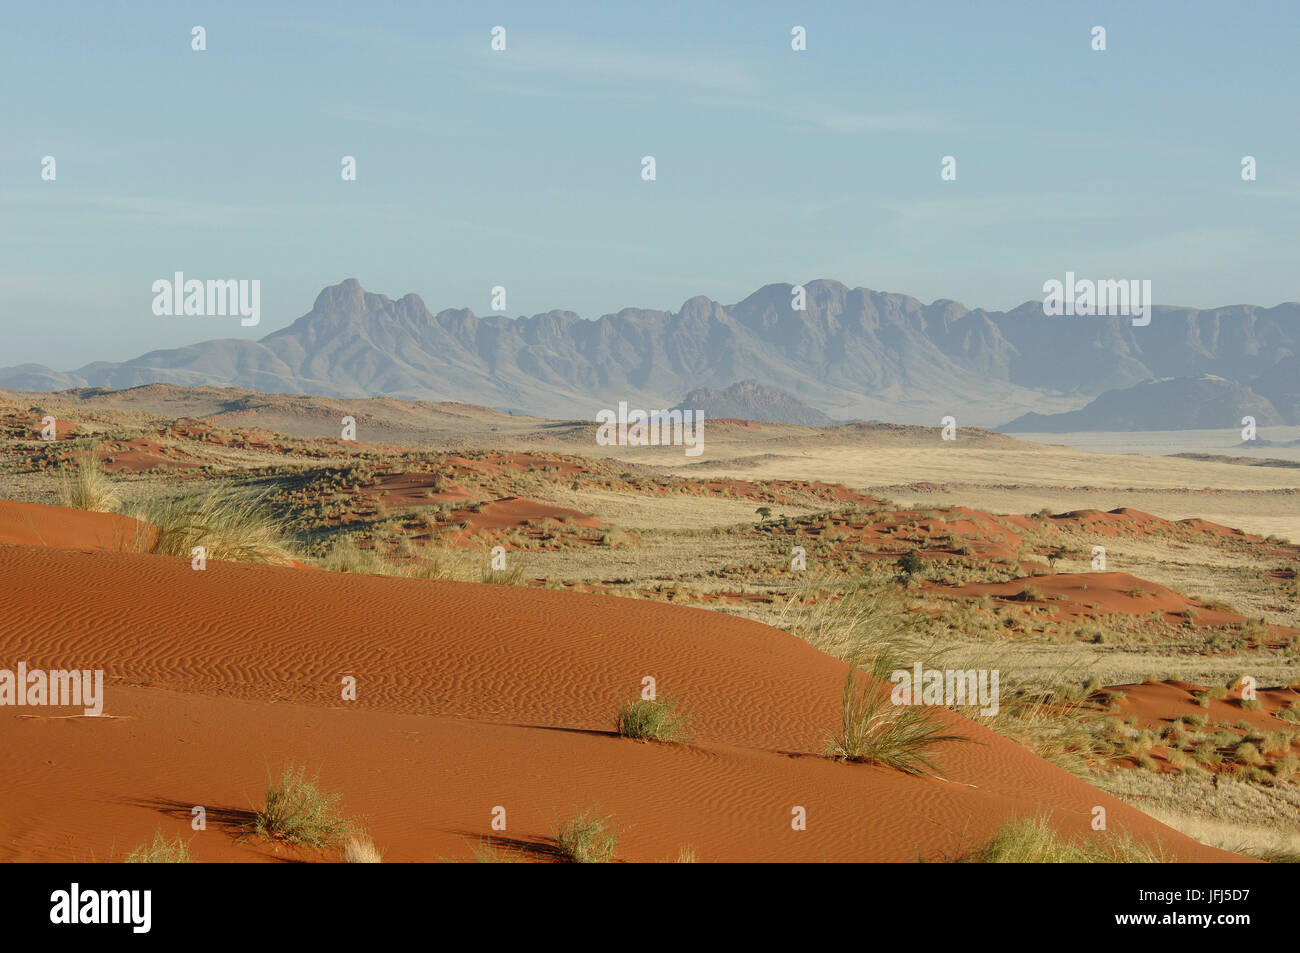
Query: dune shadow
{"x": 597, "y": 732}
{"x": 230, "y": 819}
{"x": 533, "y": 848}
{"x": 235, "y": 822}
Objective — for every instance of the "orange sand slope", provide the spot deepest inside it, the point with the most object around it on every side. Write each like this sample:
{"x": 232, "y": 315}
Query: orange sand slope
{"x": 40, "y": 525}
{"x": 470, "y": 697}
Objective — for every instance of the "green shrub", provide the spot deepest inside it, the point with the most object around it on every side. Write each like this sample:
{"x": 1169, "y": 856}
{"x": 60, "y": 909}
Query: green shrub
{"x": 586, "y": 839}
{"x": 298, "y": 812}
{"x": 651, "y": 720}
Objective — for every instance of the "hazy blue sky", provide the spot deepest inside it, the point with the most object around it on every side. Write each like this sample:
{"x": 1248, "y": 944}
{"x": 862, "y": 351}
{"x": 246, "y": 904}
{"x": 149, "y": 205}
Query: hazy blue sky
{"x": 522, "y": 168}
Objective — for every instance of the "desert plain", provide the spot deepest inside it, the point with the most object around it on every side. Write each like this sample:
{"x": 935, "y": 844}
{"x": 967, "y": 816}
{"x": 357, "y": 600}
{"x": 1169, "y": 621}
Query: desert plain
{"x": 469, "y": 635}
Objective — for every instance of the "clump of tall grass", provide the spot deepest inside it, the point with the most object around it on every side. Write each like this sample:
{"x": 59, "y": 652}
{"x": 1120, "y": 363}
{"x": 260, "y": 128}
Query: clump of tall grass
{"x": 161, "y": 851}
{"x": 485, "y": 853}
{"x": 503, "y": 577}
{"x": 1247, "y": 753}
{"x": 443, "y": 563}
{"x": 298, "y": 812}
{"x": 873, "y": 729}
{"x": 651, "y": 720}
{"x": 346, "y": 556}
{"x": 229, "y": 526}
{"x": 863, "y": 619}
{"x": 1032, "y": 841}
{"x": 587, "y": 838}
{"x": 361, "y": 850}
{"x": 433, "y": 563}
{"x": 867, "y": 624}
{"x": 87, "y": 486}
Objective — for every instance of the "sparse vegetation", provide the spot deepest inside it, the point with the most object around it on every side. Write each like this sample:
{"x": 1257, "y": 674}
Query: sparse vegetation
{"x": 161, "y": 850}
{"x": 86, "y": 486}
{"x": 1033, "y": 841}
{"x": 873, "y": 729}
{"x": 651, "y": 720}
{"x": 587, "y": 838}
{"x": 909, "y": 565}
{"x": 297, "y": 812}
{"x": 361, "y": 850}
{"x": 229, "y": 526}
{"x": 514, "y": 576}
{"x": 407, "y": 511}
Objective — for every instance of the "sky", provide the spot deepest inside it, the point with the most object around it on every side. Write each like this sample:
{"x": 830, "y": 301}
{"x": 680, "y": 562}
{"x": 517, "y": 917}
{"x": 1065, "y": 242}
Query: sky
{"x": 523, "y": 168}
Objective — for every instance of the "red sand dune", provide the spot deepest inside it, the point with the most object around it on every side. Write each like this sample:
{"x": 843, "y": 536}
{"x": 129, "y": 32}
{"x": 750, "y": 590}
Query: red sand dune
{"x": 40, "y": 525}
{"x": 137, "y": 455}
{"x": 980, "y": 534}
{"x": 459, "y": 464}
{"x": 1130, "y": 522}
{"x": 532, "y": 461}
{"x": 1157, "y": 704}
{"x": 413, "y": 489}
{"x": 470, "y": 696}
{"x": 513, "y": 511}
{"x": 1114, "y": 522}
{"x": 1076, "y": 594}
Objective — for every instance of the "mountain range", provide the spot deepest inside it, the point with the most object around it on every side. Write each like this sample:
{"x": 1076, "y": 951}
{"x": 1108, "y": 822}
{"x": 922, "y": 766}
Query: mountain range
{"x": 852, "y": 353}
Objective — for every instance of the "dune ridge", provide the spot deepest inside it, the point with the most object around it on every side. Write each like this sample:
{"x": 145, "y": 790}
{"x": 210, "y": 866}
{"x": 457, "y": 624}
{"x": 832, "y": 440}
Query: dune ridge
{"x": 469, "y": 696}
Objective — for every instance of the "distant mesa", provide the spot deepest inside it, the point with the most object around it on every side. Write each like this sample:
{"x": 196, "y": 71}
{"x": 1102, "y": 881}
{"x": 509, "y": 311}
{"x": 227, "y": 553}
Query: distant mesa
{"x": 750, "y": 400}
{"x": 1206, "y": 402}
{"x": 1261, "y": 442}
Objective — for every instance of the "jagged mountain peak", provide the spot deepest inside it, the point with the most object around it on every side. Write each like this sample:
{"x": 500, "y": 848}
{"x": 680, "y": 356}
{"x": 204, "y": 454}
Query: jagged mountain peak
{"x": 851, "y": 353}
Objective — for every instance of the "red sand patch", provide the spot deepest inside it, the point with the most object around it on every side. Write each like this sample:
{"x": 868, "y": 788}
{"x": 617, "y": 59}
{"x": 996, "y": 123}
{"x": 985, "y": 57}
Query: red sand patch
{"x": 413, "y": 489}
{"x": 140, "y": 454}
{"x": 954, "y": 531}
{"x": 1130, "y": 522}
{"x": 35, "y": 524}
{"x": 1075, "y": 595}
{"x": 1156, "y": 704}
{"x": 514, "y": 511}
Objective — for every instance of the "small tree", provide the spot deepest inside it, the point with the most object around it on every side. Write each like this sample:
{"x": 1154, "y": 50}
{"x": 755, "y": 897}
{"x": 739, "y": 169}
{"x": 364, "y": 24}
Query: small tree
{"x": 910, "y": 564}
{"x": 763, "y": 512}
{"x": 1054, "y": 555}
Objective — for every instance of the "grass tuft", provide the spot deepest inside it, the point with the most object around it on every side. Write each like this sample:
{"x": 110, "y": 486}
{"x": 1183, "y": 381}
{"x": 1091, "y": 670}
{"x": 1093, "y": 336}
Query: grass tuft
{"x": 231, "y": 527}
{"x": 1033, "y": 841}
{"x": 875, "y": 730}
{"x": 88, "y": 487}
{"x": 161, "y": 851}
{"x": 652, "y": 720}
{"x": 361, "y": 850}
{"x": 297, "y": 812}
{"x": 586, "y": 839}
